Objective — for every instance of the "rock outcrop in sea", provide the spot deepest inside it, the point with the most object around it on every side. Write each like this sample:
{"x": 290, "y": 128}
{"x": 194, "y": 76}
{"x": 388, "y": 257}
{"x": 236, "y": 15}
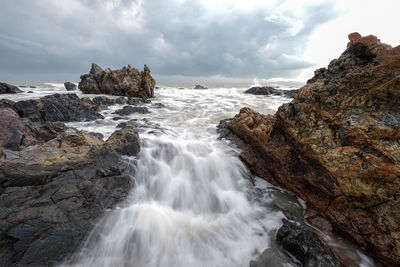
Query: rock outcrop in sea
{"x": 268, "y": 90}
{"x": 127, "y": 81}
{"x": 56, "y": 182}
{"x": 70, "y": 86}
{"x": 336, "y": 145}
{"x": 6, "y": 88}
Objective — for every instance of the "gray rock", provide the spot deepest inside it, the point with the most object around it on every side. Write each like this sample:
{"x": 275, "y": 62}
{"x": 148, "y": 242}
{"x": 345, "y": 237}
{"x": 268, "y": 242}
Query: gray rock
{"x": 127, "y": 110}
{"x": 70, "y": 86}
{"x": 198, "y": 86}
{"x": 58, "y": 107}
{"x": 267, "y": 90}
{"x": 6, "y": 88}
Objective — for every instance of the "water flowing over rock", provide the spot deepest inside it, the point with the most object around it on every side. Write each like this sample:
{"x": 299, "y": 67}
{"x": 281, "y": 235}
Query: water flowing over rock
{"x": 70, "y": 86}
{"x": 267, "y": 90}
{"x": 6, "y": 88}
{"x": 127, "y": 81}
{"x": 336, "y": 145}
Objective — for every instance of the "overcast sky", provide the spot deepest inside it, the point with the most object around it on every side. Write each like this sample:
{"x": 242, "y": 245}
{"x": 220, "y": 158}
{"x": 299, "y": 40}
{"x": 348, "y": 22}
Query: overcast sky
{"x": 182, "y": 40}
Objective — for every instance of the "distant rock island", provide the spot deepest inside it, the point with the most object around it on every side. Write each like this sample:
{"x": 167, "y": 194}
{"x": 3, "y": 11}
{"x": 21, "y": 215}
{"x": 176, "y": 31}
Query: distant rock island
{"x": 127, "y": 81}
{"x": 336, "y": 145}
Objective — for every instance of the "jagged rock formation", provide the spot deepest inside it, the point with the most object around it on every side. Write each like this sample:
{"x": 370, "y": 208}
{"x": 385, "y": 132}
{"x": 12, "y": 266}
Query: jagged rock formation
{"x": 267, "y": 90}
{"x": 127, "y": 81}
{"x": 336, "y": 145}
{"x": 6, "y": 88}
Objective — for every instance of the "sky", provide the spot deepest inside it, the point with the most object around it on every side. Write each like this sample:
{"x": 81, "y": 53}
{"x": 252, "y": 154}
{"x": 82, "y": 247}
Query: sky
{"x": 185, "y": 40}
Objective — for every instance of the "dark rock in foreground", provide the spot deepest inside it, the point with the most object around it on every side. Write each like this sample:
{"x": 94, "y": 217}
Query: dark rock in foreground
{"x": 52, "y": 195}
{"x": 127, "y": 81}
{"x": 336, "y": 145}
{"x": 198, "y": 86}
{"x": 6, "y": 88}
{"x": 70, "y": 86}
{"x": 127, "y": 110}
{"x": 58, "y": 107}
{"x": 304, "y": 246}
{"x": 267, "y": 90}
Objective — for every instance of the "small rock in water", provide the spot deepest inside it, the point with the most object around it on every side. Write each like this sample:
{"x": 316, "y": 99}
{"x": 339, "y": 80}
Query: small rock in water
{"x": 127, "y": 110}
{"x": 198, "y": 86}
{"x": 268, "y": 90}
{"x": 305, "y": 246}
{"x": 70, "y": 86}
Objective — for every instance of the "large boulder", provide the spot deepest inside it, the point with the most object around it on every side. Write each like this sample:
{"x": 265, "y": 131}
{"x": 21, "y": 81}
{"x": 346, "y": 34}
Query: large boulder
{"x": 58, "y": 107}
{"x": 127, "y": 81}
{"x": 336, "y": 145}
{"x": 52, "y": 195}
{"x": 6, "y": 88}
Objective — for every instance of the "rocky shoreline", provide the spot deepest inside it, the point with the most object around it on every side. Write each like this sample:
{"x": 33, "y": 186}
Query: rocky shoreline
{"x": 56, "y": 182}
{"x": 336, "y": 146}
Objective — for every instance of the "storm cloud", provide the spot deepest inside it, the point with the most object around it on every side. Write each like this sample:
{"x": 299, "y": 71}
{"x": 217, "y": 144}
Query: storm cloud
{"x": 52, "y": 40}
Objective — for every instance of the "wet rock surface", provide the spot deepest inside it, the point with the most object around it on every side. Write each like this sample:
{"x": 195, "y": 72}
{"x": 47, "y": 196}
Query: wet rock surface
{"x": 127, "y": 110}
{"x": 70, "y": 86}
{"x": 6, "y": 88}
{"x": 55, "y": 182}
{"x": 267, "y": 90}
{"x": 58, "y": 107}
{"x": 336, "y": 145}
{"x": 304, "y": 246}
{"x": 127, "y": 81}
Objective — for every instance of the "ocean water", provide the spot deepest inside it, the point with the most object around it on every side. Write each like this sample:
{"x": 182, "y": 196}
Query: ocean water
{"x": 193, "y": 203}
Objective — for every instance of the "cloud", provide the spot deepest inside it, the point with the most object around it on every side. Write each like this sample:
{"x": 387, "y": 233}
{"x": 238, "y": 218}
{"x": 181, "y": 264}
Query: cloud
{"x": 56, "y": 40}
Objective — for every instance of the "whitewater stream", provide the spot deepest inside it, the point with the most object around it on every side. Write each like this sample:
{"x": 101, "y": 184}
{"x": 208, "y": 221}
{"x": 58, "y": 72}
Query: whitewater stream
{"x": 192, "y": 203}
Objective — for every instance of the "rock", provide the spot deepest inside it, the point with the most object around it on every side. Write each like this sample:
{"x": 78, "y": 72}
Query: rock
{"x": 30, "y": 92}
{"x": 9, "y": 89}
{"x": 52, "y": 195}
{"x": 139, "y": 125}
{"x": 125, "y": 142}
{"x": 127, "y": 81}
{"x": 121, "y": 100}
{"x": 11, "y": 129}
{"x": 127, "y": 110}
{"x": 136, "y": 101}
{"x": 58, "y": 107}
{"x": 304, "y": 246}
{"x": 70, "y": 86}
{"x": 103, "y": 102}
{"x": 336, "y": 146}
{"x": 198, "y": 86}
{"x": 31, "y": 86}
{"x": 267, "y": 90}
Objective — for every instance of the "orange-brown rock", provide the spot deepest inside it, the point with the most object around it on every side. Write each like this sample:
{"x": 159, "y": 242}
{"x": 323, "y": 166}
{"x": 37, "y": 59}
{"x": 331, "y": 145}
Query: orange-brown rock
{"x": 337, "y": 146}
{"x": 127, "y": 81}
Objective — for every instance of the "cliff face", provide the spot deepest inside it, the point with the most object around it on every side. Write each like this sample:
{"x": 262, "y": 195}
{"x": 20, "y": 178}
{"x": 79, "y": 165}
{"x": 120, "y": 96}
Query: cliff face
{"x": 336, "y": 145}
{"x": 127, "y": 81}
